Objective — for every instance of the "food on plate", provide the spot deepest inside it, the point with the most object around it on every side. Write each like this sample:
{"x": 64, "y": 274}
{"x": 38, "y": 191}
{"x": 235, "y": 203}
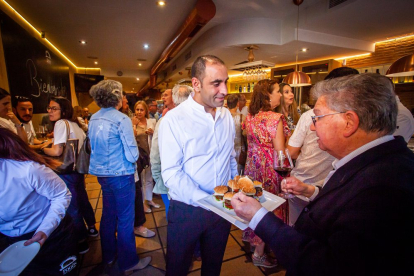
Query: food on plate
{"x": 249, "y": 191}
{"x": 236, "y": 178}
{"x": 227, "y": 200}
{"x": 219, "y": 192}
{"x": 233, "y": 185}
{"x": 259, "y": 188}
{"x": 245, "y": 183}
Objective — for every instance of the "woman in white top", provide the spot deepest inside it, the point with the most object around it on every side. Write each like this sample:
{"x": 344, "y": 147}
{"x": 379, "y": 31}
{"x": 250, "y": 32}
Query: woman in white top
{"x": 60, "y": 110}
{"x": 143, "y": 130}
{"x": 33, "y": 206}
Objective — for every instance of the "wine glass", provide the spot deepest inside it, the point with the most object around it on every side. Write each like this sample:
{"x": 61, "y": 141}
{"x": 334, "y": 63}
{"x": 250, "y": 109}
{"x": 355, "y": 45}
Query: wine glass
{"x": 283, "y": 165}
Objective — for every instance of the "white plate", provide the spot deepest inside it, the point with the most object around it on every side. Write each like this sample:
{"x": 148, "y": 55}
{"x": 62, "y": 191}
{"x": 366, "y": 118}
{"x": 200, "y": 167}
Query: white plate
{"x": 268, "y": 200}
{"x": 16, "y": 257}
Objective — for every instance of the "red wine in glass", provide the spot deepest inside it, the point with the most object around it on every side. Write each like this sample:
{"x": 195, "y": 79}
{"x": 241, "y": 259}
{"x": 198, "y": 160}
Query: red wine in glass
{"x": 283, "y": 172}
{"x": 283, "y": 165}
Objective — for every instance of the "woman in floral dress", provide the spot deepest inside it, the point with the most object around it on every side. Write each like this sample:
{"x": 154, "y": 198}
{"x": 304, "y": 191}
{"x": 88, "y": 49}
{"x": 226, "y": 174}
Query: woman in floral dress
{"x": 266, "y": 131}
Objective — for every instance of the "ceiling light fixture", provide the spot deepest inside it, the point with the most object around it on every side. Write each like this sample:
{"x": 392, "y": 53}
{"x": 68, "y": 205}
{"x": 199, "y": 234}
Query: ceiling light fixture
{"x": 146, "y": 46}
{"x": 253, "y": 70}
{"x": 83, "y": 42}
{"x": 139, "y": 64}
{"x": 297, "y": 78}
{"x": 137, "y": 79}
{"x": 96, "y": 62}
{"x": 402, "y": 67}
{"x": 304, "y": 49}
{"x": 161, "y": 3}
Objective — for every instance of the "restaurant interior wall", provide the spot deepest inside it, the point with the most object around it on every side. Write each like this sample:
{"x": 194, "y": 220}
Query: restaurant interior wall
{"x": 3, "y": 72}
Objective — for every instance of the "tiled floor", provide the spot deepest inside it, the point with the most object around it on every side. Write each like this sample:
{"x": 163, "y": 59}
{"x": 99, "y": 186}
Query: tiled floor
{"x": 236, "y": 260}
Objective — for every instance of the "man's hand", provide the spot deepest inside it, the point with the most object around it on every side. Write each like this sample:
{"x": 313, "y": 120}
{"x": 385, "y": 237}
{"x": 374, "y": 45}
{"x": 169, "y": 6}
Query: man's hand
{"x": 294, "y": 186}
{"x": 244, "y": 206}
{"x": 39, "y": 237}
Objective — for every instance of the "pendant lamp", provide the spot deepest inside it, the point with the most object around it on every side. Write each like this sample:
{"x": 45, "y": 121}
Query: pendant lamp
{"x": 402, "y": 67}
{"x": 297, "y": 78}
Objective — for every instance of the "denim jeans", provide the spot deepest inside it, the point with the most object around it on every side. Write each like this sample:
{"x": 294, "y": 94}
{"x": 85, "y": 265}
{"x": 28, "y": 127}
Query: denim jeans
{"x": 76, "y": 185}
{"x": 118, "y": 216}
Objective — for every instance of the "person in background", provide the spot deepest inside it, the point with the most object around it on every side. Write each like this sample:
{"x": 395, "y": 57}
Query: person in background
{"x": 238, "y": 119}
{"x": 405, "y": 121}
{"x": 168, "y": 102}
{"x": 86, "y": 116}
{"x": 33, "y": 207}
{"x": 60, "y": 110}
{"x": 180, "y": 93}
{"x": 241, "y": 105}
{"x": 125, "y": 107}
{"x": 113, "y": 157}
{"x": 143, "y": 129}
{"x": 196, "y": 142}
{"x": 7, "y": 118}
{"x": 23, "y": 109}
{"x": 266, "y": 132}
{"x": 160, "y": 109}
{"x": 312, "y": 163}
{"x": 77, "y": 116}
{"x": 288, "y": 106}
{"x": 152, "y": 109}
{"x": 366, "y": 208}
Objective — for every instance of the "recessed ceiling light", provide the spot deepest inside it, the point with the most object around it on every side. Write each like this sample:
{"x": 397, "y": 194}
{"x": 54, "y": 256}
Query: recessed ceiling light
{"x": 146, "y": 46}
{"x": 138, "y": 79}
{"x": 304, "y": 49}
{"x": 83, "y": 42}
{"x": 96, "y": 62}
{"x": 139, "y": 64}
{"x": 161, "y": 3}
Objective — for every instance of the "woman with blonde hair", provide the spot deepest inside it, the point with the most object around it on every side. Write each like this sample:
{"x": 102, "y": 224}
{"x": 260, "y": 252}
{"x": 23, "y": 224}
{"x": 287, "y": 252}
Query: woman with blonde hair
{"x": 288, "y": 106}
{"x": 143, "y": 130}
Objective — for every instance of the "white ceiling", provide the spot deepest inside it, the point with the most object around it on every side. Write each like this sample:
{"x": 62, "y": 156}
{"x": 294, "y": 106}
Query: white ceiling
{"x": 116, "y": 30}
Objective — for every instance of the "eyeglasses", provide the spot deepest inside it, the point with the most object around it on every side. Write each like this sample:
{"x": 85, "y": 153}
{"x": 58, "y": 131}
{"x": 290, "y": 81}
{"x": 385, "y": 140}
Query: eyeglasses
{"x": 52, "y": 108}
{"x": 321, "y": 116}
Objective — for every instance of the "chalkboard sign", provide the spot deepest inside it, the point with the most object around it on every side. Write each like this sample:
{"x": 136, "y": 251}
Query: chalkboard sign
{"x": 33, "y": 70}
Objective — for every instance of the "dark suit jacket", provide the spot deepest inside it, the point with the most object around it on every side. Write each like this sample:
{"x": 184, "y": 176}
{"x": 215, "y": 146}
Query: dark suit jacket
{"x": 361, "y": 223}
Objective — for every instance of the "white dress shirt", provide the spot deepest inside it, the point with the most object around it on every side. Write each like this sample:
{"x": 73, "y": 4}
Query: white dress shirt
{"x": 405, "y": 122}
{"x": 336, "y": 165}
{"x": 32, "y": 198}
{"x": 196, "y": 150}
{"x": 6, "y": 123}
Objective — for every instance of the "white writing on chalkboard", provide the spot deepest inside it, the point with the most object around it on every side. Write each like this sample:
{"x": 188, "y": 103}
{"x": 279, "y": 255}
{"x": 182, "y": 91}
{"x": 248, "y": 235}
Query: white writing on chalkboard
{"x": 40, "y": 85}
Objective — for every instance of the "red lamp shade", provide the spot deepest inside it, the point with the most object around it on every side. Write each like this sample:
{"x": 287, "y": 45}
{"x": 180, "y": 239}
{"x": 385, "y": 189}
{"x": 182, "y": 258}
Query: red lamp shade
{"x": 297, "y": 79}
{"x": 402, "y": 67}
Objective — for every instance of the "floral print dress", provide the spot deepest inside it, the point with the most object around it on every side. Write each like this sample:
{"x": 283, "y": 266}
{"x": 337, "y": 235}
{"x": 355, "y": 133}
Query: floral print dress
{"x": 259, "y": 164}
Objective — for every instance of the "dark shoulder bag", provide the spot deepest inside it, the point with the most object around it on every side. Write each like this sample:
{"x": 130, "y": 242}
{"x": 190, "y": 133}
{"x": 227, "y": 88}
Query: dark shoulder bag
{"x": 82, "y": 163}
{"x": 143, "y": 161}
{"x": 69, "y": 154}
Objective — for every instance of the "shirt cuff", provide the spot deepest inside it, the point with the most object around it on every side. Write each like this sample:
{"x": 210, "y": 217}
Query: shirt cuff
{"x": 315, "y": 193}
{"x": 257, "y": 218}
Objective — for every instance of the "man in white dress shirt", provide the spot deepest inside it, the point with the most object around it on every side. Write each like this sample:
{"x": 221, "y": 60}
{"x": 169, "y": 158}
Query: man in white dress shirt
{"x": 197, "y": 154}
{"x": 23, "y": 109}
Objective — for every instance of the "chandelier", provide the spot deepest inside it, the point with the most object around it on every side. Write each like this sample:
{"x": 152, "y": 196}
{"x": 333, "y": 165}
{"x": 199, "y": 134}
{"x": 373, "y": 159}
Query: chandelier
{"x": 253, "y": 70}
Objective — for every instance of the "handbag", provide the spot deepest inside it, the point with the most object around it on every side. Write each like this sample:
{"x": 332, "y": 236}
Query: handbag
{"x": 243, "y": 151}
{"x": 69, "y": 155}
{"x": 143, "y": 161}
{"x": 84, "y": 156}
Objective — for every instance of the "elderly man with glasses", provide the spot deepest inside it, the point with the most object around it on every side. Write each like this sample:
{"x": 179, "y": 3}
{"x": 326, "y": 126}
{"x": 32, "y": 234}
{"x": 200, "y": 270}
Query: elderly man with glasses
{"x": 361, "y": 222}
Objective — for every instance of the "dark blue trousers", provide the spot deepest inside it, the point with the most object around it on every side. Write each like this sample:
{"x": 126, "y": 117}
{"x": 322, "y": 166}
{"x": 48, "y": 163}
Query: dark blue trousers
{"x": 187, "y": 225}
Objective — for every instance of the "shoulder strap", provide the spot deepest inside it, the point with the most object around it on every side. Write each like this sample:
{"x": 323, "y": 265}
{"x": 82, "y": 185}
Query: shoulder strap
{"x": 67, "y": 130}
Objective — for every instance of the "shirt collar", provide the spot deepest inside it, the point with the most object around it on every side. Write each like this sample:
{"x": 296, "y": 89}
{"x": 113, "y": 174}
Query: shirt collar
{"x": 339, "y": 163}
{"x": 200, "y": 108}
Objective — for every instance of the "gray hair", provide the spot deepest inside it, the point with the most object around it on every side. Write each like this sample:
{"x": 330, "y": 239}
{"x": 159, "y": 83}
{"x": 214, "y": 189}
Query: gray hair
{"x": 107, "y": 93}
{"x": 370, "y": 96}
{"x": 180, "y": 93}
